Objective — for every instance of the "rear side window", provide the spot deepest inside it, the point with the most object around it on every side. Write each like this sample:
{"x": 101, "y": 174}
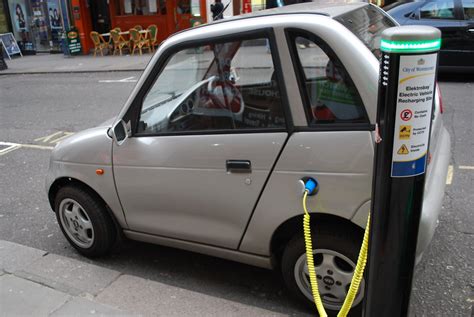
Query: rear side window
{"x": 331, "y": 96}
{"x": 438, "y": 10}
{"x": 468, "y": 6}
{"x": 367, "y": 24}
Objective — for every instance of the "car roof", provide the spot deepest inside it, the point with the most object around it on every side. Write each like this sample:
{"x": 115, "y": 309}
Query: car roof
{"x": 320, "y": 7}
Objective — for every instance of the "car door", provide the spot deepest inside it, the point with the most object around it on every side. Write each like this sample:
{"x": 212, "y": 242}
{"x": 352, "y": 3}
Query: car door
{"x": 468, "y": 31}
{"x": 446, "y": 16}
{"x": 206, "y": 134}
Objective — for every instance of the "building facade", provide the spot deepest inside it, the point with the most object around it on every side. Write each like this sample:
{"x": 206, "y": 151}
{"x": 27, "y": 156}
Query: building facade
{"x": 37, "y": 25}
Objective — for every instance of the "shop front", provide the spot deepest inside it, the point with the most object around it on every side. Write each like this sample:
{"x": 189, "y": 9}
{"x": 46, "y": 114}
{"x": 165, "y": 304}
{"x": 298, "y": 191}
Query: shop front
{"x": 36, "y": 24}
{"x": 169, "y": 16}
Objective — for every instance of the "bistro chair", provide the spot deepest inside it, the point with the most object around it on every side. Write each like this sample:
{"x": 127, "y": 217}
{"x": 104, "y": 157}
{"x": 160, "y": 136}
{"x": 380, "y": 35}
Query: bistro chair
{"x": 138, "y": 41}
{"x": 99, "y": 43}
{"x": 117, "y": 29}
{"x": 153, "y": 30}
{"x": 119, "y": 41}
{"x": 138, "y": 27}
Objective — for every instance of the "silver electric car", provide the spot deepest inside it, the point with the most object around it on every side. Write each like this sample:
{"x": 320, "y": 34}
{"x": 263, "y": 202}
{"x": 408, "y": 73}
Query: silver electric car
{"x": 208, "y": 151}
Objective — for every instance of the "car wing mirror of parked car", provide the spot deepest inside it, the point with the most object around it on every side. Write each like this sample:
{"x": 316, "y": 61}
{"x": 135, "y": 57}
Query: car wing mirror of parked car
{"x": 120, "y": 132}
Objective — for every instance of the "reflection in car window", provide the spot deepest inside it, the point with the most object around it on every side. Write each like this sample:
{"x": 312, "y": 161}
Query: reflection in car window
{"x": 367, "y": 23}
{"x": 225, "y": 86}
{"x": 438, "y": 10}
{"x": 468, "y": 6}
{"x": 332, "y": 96}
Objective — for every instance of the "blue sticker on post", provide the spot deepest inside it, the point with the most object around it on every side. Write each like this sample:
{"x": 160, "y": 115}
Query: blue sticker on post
{"x": 416, "y": 85}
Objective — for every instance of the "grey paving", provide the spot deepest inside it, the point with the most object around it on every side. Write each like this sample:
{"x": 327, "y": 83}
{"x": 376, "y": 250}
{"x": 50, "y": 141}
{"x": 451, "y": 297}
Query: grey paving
{"x": 130, "y": 292}
{"x": 58, "y": 63}
{"x": 79, "y": 307}
{"x": 14, "y": 256}
{"x": 19, "y": 297}
{"x": 69, "y": 275}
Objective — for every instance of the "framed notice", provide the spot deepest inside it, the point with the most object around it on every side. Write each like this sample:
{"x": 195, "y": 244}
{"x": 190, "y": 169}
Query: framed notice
{"x": 7, "y": 40}
{"x": 416, "y": 86}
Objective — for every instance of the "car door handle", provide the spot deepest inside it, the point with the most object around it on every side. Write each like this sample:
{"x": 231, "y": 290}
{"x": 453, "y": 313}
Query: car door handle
{"x": 238, "y": 166}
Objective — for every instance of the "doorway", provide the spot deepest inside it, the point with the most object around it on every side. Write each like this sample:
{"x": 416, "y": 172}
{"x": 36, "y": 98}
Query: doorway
{"x": 100, "y": 16}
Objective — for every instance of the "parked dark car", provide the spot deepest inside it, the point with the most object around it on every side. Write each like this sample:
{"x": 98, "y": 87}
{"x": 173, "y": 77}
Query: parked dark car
{"x": 455, "y": 19}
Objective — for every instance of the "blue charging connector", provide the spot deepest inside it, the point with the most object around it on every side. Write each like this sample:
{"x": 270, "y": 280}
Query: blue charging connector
{"x": 311, "y": 185}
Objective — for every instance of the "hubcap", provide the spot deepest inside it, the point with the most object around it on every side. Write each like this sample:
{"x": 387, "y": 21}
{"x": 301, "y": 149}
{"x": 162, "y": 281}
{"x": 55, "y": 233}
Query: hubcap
{"x": 334, "y": 273}
{"x": 76, "y": 223}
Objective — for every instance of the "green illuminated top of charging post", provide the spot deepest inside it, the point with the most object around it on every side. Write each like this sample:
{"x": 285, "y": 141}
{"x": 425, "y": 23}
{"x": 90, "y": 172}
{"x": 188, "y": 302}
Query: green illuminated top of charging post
{"x": 410, "y": 39}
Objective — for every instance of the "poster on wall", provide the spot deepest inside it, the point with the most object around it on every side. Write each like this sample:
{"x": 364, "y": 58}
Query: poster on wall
{"x": 18, "y": 15}
{"x": 9, "y": 44}
{"x": 54, "y": 14}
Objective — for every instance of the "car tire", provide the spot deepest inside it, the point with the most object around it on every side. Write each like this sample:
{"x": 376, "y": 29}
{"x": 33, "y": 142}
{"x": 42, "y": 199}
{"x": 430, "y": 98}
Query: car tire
{"x": 84, "y": 221}
{"x": 336, "y": 249}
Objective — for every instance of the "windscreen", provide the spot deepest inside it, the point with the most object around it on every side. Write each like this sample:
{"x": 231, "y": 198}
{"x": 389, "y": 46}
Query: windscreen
{"x": 367, "y": 24}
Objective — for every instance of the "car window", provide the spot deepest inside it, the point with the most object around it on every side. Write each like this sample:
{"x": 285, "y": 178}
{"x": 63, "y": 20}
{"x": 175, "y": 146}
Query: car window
{"x": 367, "y": 23}
{"x": 330, "y": 93}
{"x": 438, "y": 10}
{"x": 468, "y": 8}
{"x": 225, "y": 86}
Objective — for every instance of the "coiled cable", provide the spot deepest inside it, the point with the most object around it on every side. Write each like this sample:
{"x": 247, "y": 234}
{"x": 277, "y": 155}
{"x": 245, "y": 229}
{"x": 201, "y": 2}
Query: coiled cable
{"x": 358, "y": 272}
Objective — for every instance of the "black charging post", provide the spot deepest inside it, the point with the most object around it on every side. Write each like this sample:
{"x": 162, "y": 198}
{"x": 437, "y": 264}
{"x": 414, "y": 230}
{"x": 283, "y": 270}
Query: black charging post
{"x": 408, "y": 70}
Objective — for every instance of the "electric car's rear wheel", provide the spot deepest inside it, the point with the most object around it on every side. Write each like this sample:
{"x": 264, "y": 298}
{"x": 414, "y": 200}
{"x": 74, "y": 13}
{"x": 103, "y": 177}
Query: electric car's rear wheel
{"x": 335, "y": 256}
{"x": 84, "y": 221}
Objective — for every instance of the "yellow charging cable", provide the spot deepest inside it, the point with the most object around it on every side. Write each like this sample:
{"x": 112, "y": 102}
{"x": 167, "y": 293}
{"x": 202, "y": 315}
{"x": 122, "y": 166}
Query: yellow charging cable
{"x": 358, "y": 272}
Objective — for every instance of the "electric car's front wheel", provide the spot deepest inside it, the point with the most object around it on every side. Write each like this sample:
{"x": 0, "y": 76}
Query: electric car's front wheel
{"x": 84, "y": 221}
{"x": 335, "y": 251}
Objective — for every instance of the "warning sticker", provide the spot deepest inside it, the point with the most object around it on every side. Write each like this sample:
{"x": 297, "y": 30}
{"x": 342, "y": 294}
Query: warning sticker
{"x": 403, "y": 150}
{"x": 412, "y": 122}
{"x": 405, "y": 132}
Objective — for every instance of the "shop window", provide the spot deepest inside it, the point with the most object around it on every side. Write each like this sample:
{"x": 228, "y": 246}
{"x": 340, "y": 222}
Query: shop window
{"x": 141, "y": 7}
{"x": 217, "y": 87}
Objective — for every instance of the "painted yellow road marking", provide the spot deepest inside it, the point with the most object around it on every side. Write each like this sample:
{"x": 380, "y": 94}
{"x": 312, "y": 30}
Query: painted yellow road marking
{"x": 466, "y": 167}
{"x": 54, "y": 138}
{"x": 10, "y": 148}
{"x": 16, "y": 146}
{"x": 449, "y": 177}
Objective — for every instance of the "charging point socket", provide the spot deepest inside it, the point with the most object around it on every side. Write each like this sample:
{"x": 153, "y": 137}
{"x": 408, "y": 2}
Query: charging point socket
{"x": 311, "y": 185}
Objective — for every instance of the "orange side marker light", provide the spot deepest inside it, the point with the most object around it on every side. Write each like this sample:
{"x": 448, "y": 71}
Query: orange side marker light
{"x": 99, "y": 171}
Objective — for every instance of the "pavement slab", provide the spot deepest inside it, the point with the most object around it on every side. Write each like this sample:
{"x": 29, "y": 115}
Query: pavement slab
{"x": 19, "y": 297}
{"x": 83, "y": 307}
{"x": 151, "y": 298}
{"x": 15, "y": 256}
{"x": 69, "y": 275}
{"x": 58, "y": 63}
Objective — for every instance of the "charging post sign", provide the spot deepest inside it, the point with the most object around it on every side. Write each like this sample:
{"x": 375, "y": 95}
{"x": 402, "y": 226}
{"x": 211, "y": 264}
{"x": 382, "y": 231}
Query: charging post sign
{"x": 413, "y": 108}
{"x": 408, "y": 70}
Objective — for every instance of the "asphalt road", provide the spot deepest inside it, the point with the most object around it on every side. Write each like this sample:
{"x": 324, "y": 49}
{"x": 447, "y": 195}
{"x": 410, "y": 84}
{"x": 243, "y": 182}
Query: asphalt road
{"x": 40, "y": 109}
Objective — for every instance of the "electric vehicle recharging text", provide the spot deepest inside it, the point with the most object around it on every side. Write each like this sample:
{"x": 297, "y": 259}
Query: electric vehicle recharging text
{"x": 311, "y": 188}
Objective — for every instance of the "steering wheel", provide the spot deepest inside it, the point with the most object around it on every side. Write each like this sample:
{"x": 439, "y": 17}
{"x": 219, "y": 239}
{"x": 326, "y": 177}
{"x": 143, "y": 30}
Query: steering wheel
{"x": 230, "y": 98}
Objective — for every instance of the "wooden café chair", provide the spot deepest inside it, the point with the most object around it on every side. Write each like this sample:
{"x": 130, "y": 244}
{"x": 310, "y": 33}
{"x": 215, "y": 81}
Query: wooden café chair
{"x": 138, "y": 27}
{"x": 153, "y": 31}
{"x": 138, "y": 41}
{"x": 99, "y": 43}
{"x": 118, "y": 41}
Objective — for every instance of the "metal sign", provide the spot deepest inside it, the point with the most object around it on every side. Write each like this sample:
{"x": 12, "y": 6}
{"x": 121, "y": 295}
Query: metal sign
{"x": 416, "y": 81}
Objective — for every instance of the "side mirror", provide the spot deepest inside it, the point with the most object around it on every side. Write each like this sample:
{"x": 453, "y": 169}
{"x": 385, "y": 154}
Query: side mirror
{"x": 119, "y": 132}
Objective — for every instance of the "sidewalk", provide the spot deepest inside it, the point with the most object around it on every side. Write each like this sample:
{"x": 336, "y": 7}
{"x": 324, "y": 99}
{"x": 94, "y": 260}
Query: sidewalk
{"x": 36, "y": 283}
{"x": 58, "y": 63}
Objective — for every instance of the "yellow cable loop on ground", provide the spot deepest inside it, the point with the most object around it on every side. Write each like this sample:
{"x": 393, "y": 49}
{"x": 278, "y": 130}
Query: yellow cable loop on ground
{"x": 358, "y": 272}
